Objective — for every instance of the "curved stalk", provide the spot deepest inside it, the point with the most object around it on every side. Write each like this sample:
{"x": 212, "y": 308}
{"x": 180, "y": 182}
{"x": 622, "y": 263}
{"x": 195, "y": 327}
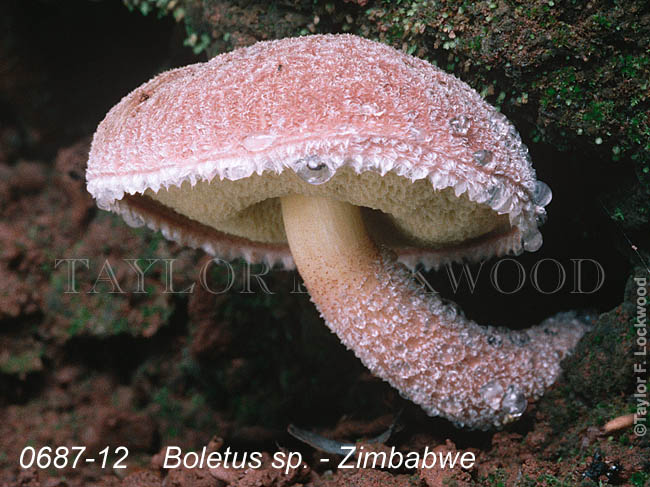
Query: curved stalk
{"x": 475, "y": 376}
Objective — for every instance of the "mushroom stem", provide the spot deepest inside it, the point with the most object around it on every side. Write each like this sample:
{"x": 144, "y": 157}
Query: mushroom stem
{"x": 475, "y": 376}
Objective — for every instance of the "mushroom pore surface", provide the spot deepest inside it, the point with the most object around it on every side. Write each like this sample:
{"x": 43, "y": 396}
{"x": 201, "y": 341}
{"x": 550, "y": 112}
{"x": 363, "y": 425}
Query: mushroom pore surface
{"x": 407, "y": 213}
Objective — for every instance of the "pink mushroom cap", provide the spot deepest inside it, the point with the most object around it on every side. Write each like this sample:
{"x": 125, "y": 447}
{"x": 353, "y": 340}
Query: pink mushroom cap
{"x": 347, "y": 101}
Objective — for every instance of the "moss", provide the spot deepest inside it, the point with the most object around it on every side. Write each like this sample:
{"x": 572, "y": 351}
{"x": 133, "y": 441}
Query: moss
{"x": 547, "y": 480}
{"x": 169, "y": 410}
{"x": 640, "y": 479}
{"x": 498, "y": 478}
{"x": 598, "y": 111}
{"x": 597, "y": 384}
{"x": 23, "y": 362}
{"x": 80, "y": 320}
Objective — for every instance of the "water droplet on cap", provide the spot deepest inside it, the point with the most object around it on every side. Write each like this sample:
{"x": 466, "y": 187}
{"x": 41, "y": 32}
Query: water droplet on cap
{"x": 495, "y": 340}
{"x": 511, "y": 138}
{"x": 492, "y": 393}
{"x": 519, "y": 338}
{"x": 532, "y": 241}
{"x": 482, "y": 157}
{"x": 460, "y": 125}
{"x": 449, "y": 313}
{"x": 542, "y": 194}
{"x": 514, "y": 402}
{"x": 496, "y": 196}
{"x": 313, "y": 171}
{"x": 258, "y": 142}
{"x": 234, "y": 173}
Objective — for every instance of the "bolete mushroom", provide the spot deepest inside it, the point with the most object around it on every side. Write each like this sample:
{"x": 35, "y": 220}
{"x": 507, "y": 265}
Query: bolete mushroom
{"x": 349, "y": 160}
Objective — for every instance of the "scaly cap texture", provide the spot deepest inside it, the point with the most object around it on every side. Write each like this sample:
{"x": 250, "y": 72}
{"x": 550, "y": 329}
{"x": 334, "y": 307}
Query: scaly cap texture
{"x": 274, "y": 106}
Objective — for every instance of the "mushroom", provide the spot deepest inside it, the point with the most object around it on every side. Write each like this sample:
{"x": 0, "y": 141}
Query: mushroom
{"x": 352, "y": 162}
